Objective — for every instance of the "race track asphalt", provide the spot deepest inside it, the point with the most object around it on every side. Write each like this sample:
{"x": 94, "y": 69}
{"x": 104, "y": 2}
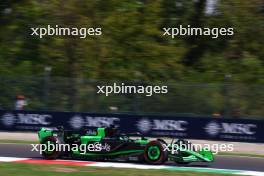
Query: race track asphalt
{"x": 221, "y": 162}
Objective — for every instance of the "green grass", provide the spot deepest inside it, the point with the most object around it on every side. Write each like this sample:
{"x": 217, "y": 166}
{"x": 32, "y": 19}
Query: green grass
{"x": 17, "y": 141}
{"x": 22, "y": 169}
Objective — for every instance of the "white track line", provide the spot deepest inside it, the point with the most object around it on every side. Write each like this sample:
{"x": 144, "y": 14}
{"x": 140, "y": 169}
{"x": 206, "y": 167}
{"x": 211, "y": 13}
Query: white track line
{"x": 11, "y": 159}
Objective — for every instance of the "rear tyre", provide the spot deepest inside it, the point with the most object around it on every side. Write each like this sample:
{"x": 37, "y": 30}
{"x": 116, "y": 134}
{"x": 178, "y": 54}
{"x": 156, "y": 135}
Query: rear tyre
{"x": 50, "y": 153}
{"x": 155, "y": 153}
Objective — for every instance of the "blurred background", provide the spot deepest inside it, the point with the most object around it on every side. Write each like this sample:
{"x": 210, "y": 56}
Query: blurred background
{"x": 221, "y": 77}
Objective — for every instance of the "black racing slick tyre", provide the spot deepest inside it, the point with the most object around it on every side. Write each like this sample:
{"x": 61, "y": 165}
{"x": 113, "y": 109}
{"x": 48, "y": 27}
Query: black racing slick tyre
{"x": 50, "y": 153}
{"x": 155, "y": 153}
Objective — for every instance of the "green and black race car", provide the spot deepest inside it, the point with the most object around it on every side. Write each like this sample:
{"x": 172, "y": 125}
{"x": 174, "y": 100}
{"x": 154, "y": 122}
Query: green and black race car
{"x": 108, "y": 144}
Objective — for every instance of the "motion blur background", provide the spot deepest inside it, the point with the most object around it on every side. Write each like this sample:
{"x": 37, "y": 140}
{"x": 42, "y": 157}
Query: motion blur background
{"x": 221, "y": 77}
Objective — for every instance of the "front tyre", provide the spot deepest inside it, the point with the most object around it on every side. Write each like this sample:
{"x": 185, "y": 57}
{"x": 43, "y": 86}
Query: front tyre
{"x": 48, "y": 145}
{"x": 155, "y": 153}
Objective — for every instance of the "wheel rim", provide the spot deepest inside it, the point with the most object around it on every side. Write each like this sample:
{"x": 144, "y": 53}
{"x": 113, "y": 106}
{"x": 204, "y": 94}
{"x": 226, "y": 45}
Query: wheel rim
{"x": 47, "y": 143}
{"x": 153, "y": 152}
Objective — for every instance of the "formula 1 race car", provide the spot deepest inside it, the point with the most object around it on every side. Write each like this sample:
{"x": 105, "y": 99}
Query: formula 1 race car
{"x": 108, "y": 144}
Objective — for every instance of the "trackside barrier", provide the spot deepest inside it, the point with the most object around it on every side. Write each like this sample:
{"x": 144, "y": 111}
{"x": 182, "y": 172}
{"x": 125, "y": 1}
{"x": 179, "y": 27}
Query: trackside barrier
{"x": 241, "y": 130}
